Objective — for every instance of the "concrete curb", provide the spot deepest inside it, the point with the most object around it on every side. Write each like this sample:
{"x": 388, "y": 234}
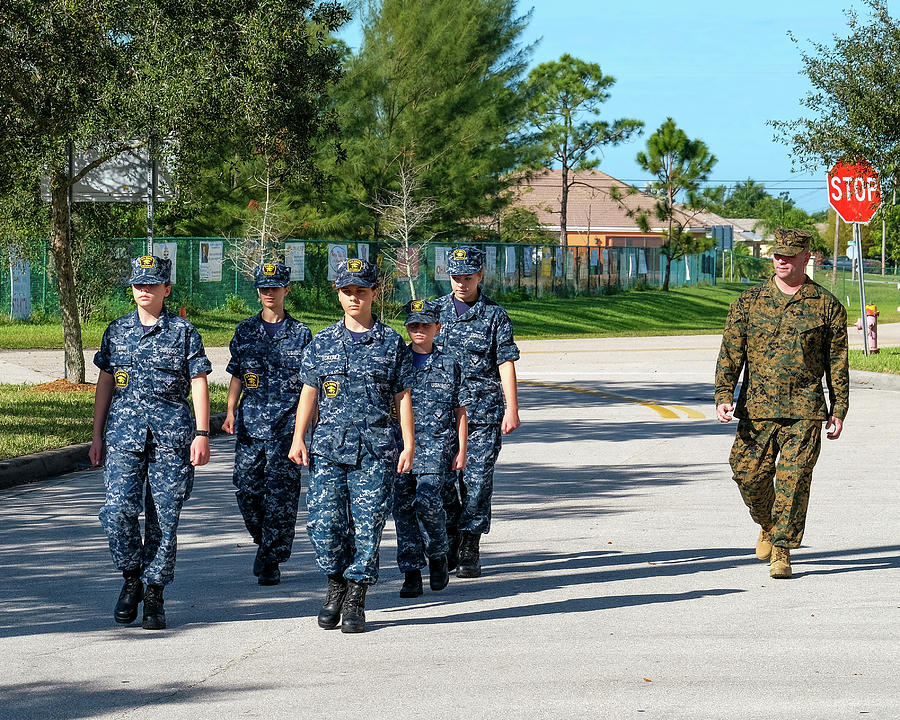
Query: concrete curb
{"x": 874, "y": 380}
{"x": 33, "y": 468}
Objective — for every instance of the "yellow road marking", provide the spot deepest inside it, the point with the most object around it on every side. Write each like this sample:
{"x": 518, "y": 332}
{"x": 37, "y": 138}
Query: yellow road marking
{"x": 663, "y": 410}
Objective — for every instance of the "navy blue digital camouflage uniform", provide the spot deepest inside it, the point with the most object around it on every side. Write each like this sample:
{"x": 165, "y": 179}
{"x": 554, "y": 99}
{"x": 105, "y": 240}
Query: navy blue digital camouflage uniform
{"x": 149, "y": 431}
{"x": 437, "y": 391}
{"x": 481, "y": 339}
{"x": 267, "y": 483}
{"x": 354, "y": 449}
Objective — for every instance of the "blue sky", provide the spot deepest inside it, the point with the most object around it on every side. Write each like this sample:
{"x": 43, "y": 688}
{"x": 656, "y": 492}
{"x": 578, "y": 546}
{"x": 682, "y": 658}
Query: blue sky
{"x": 719, "y": 69}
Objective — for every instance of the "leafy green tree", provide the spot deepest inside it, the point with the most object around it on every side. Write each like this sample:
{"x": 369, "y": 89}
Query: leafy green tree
{"x": 853, "y": 101}
{"x": 564, "y": 101}
{"x": 680, "y": 166}
{"x": 521, "y": 225}
{"x": 181, "y": 76}
{"x": 436, "y": 82}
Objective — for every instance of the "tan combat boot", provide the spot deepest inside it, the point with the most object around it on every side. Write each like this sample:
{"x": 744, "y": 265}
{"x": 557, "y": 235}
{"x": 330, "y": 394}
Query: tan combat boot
{"x": 781, "y": 563}
{"x": 764, "y": 544}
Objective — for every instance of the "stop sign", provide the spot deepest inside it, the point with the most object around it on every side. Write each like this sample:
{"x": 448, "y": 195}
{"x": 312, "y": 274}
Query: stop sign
{"x": 854, "y": 191}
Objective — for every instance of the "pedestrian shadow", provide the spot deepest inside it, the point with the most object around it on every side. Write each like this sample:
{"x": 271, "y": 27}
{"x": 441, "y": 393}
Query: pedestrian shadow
{"x": 85, "y": 699}
{"x": 573, "y": 605}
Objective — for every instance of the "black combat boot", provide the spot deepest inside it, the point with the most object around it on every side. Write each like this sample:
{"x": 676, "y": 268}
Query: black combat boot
{"x": 130, "y": 597}
{"x": 354, "y": 620}
{"x": 469, "y": 565}
{"x": 154, "y": 614}
{"x": 330, "y": 613}
{"x": 439, "y": 573}
{"x": 258, "y": 564}
{"x": 269, "y": 574}
{"x": 412, "y": 584}
{"x": 453, "y": 552}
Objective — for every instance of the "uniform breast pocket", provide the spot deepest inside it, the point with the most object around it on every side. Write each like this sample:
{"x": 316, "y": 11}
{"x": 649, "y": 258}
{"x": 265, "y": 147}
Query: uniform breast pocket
{"x": 812, "y": 340}
{"x": 290, "y": 373}
{"x": 170, "y": 378}
{"x": 253, "y": 375}
{"x": 335, "y": 385}
{"x": 121, "y": 371}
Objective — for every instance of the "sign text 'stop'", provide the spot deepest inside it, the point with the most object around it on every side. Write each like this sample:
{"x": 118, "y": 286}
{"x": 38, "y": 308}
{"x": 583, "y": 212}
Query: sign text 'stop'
{"x": 854, "y": 191}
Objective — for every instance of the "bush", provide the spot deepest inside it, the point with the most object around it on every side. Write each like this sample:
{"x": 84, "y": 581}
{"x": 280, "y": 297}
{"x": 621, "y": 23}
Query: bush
{"x": 236, "y": 304}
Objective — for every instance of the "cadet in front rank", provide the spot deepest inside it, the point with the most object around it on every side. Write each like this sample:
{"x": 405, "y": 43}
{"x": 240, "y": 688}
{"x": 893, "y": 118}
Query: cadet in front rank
{"x": 148, "y": 362}
{"x": 352, "y": 373}
{"x": 438, "y": 398}
{"x": 266, "y": 353}
{"x": 784, "y": 336}
{"x": 478, "y": 332}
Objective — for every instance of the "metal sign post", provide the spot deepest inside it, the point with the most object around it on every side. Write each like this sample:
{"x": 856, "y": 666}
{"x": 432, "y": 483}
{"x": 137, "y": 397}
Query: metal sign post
{"x": 857, "y": 238}
{"x": 151, "y": 197}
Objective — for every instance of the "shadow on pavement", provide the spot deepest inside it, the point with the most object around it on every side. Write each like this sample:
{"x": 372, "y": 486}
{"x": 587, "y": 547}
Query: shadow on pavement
{"x": 38, "y": 701}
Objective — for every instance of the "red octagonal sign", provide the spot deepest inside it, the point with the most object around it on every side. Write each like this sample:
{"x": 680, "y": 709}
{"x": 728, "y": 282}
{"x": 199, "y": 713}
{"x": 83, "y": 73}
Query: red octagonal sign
{"x": 854, "y": 191}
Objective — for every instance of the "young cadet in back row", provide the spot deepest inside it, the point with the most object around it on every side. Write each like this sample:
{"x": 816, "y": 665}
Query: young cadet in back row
{"x": 438, "y": 399}
{"x": 148, "y": 361}
{"x": 266, "y": 353}
{"x": 352, "y": 373}
{"x": 478, "y": 332}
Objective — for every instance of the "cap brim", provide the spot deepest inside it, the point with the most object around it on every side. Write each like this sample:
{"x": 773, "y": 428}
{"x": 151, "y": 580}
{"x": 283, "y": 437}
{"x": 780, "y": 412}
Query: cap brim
{"x": 145, "y": 280}
{"x": 353, "y": 281}
{"x": 788, "y": 250}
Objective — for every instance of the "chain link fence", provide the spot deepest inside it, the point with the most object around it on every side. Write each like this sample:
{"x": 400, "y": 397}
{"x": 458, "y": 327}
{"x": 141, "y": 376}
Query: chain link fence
{"x": 207, "y": 277}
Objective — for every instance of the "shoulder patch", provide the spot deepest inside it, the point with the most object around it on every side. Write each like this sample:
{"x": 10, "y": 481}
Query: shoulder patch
{"x": 121, "y": 378}
{"x": 331, "y": 388}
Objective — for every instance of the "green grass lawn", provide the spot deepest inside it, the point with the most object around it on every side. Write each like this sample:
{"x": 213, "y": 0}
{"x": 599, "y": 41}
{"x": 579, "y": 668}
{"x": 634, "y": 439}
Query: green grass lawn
{"x": 35, "y": 421}
{"x": 887, "y": 360}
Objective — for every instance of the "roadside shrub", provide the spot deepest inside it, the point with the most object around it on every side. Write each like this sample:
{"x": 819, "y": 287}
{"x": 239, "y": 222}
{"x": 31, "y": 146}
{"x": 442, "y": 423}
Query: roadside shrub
{"x": 236, "y": 304}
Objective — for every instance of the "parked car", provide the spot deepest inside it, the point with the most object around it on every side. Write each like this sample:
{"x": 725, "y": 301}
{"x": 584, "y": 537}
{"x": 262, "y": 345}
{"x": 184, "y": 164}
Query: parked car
{"x": 843, "y": 263}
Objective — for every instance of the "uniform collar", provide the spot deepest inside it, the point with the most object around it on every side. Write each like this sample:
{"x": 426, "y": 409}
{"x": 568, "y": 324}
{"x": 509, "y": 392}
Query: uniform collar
{"x": 282, "y": 331}
{"x": 162, "y": 322}
{"x": 807, "y": 290}
{"x": 376, "y": 332}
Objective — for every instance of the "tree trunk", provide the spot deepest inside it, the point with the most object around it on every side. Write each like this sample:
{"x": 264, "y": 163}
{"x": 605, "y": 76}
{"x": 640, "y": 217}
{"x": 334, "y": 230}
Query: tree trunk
{"x": 563, "y": 207}
{"x": 61, "y": 251}
{"x": 668, "y": 274}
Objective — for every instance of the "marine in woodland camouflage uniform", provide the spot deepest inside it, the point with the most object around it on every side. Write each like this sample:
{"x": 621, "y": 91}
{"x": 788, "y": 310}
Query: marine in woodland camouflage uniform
{"x": 781, "y": 346}
{"x": 266, "y": 366}
{"x": 437, "y": 392}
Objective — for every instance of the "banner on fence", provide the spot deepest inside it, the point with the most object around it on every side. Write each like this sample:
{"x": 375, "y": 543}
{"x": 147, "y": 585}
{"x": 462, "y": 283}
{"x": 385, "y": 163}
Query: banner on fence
{"x": 337, "y": 256}
{"x": 440, "y": 262}
{"x": 407, "y": 262}
{"x": 559, "y": 262}
{"x": 528, "y": 261}
{"x": 509, "y": 267}
{"x": 168, "y": 250}
{"x": 491, "y": 260}
{"x": 20, "y": 287}
{"x": 642, "y": 261}
{"x": 570, "y": 265}
{"x": 210, "y": 265}
{"x": 362, "y": 251}
{"x": 295, "y": 259}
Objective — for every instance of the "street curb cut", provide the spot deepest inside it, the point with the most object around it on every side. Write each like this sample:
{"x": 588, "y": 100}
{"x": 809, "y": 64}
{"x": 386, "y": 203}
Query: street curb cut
{"x": 875, "y": 380}
{"x": 27, "y": 469}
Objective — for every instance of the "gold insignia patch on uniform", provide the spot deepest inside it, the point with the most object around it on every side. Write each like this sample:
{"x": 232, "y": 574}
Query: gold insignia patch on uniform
{"x": 459, "y": 254}
{"x": 394, "y": 411}
{"x": 417, "y": 306}
{"x": 331, "y": 388}
{"x": 268, "y": 269}
{"x": 121, "y": 378}
{"x": 147, "y": 262}
{"x": 251, "y": 380}
{"x": 354, "y": 265}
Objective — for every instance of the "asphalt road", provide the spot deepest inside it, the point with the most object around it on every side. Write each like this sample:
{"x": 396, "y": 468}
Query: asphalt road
{"x": 619, "y": 580}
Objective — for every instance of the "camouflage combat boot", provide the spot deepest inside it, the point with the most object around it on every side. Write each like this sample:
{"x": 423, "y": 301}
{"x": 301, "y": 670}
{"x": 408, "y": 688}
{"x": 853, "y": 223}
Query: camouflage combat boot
{"x": 438, "y": 573}
{"x": 354, "y": 620}
{"x": 334, "y": 600}
{"x": 764, "y": 544}
{"x": 469, "y": 556}
{"x": 154, "y": 614}
{"x": 412, "y": 584}
{"x": 781, "y": 563}
{"x": 130, "y": 597}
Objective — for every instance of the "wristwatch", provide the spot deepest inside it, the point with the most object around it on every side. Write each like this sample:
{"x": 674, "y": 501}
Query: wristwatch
{"x": 201, "y": 433}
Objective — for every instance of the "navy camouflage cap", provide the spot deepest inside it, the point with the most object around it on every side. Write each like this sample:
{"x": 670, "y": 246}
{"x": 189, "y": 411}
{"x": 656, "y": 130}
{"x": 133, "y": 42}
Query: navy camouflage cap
{"x": 791, "y": 241}
{"x": 422, "y": 311}
{"x": 271, "y": 275}
{"x": 356, "y": 272}
{"x": 149, "y": 270}
{"x": 465, "y": 260}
